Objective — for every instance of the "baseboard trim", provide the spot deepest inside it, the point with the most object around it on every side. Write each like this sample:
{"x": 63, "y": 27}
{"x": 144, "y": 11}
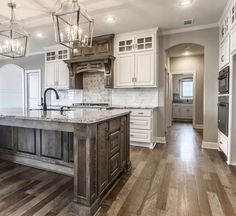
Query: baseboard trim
{"x": 161, "y": 140}
{"x": 210, "y": 145}
{"x": 198, "y": 126}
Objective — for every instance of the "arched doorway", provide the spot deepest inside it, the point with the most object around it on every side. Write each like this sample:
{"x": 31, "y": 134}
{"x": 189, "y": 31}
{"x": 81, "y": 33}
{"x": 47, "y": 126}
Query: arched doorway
{"x": 185, "y": 84}
{"x": 11, "y": 86}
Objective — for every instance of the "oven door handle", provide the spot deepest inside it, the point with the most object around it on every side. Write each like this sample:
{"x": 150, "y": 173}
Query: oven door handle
{"x": 222, "y": 104}
{"x": 222, "y": 77}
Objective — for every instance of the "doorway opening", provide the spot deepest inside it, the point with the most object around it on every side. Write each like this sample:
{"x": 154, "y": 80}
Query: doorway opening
{"x": 185, "y": 84}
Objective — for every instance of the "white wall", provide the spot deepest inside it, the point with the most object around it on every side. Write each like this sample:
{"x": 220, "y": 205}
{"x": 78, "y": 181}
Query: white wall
{"x": 209, "y": 39}
{"x": 192, "y": 63}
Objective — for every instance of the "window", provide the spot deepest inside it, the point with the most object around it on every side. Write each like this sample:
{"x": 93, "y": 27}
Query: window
{"x": 186, "y": 86}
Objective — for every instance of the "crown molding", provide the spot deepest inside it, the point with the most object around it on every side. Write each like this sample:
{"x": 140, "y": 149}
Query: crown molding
{"x": 189, "y": 29}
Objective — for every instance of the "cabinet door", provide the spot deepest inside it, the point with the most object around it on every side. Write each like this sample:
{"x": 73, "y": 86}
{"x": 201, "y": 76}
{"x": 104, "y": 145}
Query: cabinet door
{"x": 224, "y": 52}
{"x": 233, "y": 14}
{"x": 62, "y": 54}
{"x": 124, "y": 45}
{"x": 62, "y": 80}
{"x": 102, "y": 156}
{"x": 124, "y": 71}
{"x": 50, "y": 76}
{"x": 144, "y": 69}
{"x": 50, "y": 56}
{"x": 233, "y": 41}
{"x": 144, "y": 42}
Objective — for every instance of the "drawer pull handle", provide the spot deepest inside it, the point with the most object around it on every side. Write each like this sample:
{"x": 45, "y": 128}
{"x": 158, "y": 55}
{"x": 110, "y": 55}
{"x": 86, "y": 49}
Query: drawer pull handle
{"x": 141, "y": 113}
{"x": 221, "y": 143}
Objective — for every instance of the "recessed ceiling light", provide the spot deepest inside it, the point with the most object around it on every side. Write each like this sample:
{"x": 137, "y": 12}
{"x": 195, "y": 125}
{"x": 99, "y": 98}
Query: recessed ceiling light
{"x": 185, "y": 3}
{"x": 187, "y": 53}
{"x": 39, "y": 35}
{"x": 110, "y": 19}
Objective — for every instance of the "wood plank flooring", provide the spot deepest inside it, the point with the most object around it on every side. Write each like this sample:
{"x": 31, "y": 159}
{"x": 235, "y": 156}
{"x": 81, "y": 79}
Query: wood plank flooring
{"x": 177, "y": 179}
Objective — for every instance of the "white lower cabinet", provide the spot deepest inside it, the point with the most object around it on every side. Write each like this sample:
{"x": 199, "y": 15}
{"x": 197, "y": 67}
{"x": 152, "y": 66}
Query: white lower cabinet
{"x": 182, "y": 111}
{"x": 143, "y": 127}
{"x": 223, "y": 143}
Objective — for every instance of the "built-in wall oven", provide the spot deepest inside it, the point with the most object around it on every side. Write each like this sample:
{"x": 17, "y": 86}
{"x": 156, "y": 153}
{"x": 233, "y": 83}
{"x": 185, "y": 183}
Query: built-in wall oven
{"x": 224, "y": 81}
{"x": 223, "y": 114}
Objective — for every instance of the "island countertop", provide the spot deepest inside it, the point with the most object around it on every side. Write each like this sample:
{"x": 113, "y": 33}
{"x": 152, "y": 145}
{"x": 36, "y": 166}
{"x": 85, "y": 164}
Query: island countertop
{"x": 80, "y": 116}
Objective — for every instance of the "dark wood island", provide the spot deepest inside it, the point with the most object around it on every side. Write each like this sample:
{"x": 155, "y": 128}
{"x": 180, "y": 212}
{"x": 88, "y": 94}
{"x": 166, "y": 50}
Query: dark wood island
{"x": 90, "y": 144}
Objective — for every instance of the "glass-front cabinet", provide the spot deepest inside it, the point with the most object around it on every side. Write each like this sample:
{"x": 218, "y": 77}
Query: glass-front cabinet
{"x": 125, "y": 45}
{"x": 144, "y": 42}
{"x": 233, "y": 14}
{"x": 136, "y": 59}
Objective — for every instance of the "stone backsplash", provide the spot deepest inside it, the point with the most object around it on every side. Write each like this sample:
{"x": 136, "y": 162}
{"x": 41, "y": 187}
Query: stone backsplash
{"x": 94, "y": 92}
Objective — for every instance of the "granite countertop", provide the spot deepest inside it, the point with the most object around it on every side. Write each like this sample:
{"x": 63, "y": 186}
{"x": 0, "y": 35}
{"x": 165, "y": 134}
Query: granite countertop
{"x": 82, "y": 116}
{"x": 134, "y": 107}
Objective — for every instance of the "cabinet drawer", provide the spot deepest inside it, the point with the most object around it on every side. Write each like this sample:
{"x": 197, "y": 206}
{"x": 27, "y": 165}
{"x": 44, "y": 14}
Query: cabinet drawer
{"x": 114, "y": 165}
{"x": 140, "y": 135}
{"x": 223, "y": 143}
{"x": 114, "y": 143}
{"x": 144, "y": 123}
{"x": 137, "y": 112}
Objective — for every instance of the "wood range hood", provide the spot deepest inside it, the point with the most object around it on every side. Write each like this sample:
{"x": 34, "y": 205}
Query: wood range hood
{"x": 98, "y": 58}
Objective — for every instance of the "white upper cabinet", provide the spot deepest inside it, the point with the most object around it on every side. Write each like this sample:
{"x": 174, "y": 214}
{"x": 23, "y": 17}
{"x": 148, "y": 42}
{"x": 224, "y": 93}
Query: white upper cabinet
{"x": 136, "y": 59}
{"x": 125, "y": 65}
{"x": 144, "y": 42}
{"x": 225, "y": 27}
{"x": 233, "y": 41}
{"x": 233, "y": 15}
{"x": 125, "y": 45}
{"x": 56, "y": 71}
{"x": 224, "y": 53}
{"x": 145, "y": 70}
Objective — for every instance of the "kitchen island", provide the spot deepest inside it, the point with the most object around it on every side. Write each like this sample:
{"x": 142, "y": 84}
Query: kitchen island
{"x": 90, "y": 144}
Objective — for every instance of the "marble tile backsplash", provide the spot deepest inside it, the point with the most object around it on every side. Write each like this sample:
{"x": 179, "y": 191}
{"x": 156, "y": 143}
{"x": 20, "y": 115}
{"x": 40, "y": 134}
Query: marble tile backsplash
{"x": 95, "y": 92}
{"x": 135, "y": 97}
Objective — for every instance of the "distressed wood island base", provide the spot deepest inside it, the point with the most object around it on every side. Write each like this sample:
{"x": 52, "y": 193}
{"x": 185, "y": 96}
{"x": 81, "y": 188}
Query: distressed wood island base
{"x": 95, "y": 153}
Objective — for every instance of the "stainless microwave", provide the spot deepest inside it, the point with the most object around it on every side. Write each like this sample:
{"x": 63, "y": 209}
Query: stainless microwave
{"x": 223, "y": 81}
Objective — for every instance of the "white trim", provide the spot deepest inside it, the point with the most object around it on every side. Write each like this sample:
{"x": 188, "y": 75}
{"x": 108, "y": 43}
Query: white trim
{"x": 198, "y": 126}
{"x": 161, "y": 140}
{"x": 26, "y": 83}
{"x": 143, "y": 145}
{"x": 189, "y": 29}
{"x": 210, "y": 145}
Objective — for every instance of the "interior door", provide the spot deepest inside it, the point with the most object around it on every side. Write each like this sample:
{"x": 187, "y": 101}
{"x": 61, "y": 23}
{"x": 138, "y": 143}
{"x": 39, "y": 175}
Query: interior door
{"x": 33, "y": 86}
{"x": 144, "y": 69}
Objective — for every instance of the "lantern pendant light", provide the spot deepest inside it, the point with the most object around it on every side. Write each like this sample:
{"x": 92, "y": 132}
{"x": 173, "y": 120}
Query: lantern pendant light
{"x": 73, "y": 26}
{"x": 13, "y": 38}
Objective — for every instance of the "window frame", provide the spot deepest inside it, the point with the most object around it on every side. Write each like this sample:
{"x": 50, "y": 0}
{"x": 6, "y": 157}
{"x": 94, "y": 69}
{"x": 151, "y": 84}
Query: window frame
{"x": 181, "y": 88}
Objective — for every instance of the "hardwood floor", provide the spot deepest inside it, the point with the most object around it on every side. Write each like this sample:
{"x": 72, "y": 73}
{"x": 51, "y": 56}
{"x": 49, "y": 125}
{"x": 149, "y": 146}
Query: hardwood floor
{"x": 177, "y": 179}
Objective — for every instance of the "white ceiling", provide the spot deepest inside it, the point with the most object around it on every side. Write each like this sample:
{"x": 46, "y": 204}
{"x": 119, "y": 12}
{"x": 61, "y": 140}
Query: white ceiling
{"x": 130, "y": 15}
{"x": 186, "y": 49}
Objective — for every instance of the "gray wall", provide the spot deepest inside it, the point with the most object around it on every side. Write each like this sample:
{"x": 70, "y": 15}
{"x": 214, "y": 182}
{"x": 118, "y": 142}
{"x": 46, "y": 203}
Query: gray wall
{"x": 209, "y": 39}
{"x": 192, "y": 63}
{"x": 28, "y": 63}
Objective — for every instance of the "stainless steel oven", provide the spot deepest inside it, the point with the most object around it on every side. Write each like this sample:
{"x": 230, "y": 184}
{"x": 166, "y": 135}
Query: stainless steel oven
{"x": 223, "y": 114}
{"x": 223, "y": 80}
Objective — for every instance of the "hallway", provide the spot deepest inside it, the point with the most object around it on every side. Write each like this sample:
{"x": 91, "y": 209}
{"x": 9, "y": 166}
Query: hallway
{"x": 177, "y": 179}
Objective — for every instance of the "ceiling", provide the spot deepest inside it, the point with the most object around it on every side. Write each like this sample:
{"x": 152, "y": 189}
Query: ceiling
{"x": 185, "y": 50}
{"x": 130, "y": 15}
